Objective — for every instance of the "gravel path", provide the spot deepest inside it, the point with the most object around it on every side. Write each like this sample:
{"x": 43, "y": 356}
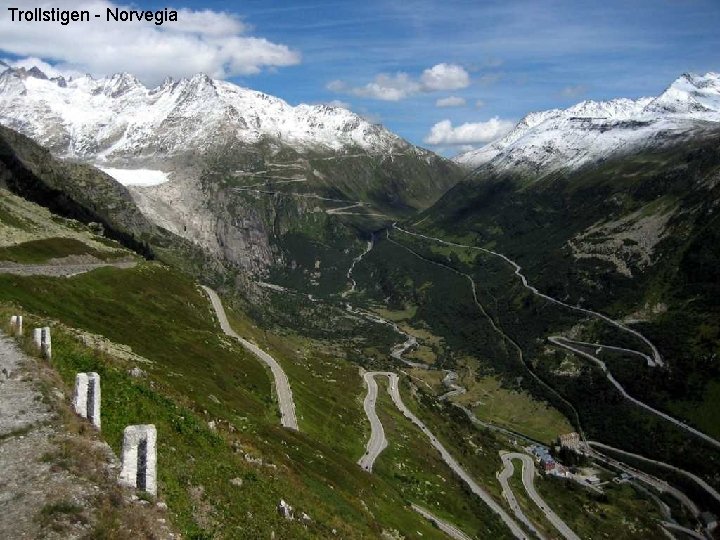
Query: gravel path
{"x": 58, "y": 270}
{"x": 282, "y": 384}
{"x": 27, "y": 481}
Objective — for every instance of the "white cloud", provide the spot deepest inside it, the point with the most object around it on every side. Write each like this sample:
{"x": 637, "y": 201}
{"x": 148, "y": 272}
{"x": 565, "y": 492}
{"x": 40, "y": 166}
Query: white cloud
{"x": 213, "y": 42}
{"x": 337, "y": 86}
{"x": 32, "y": 61}
{"x": 479, "y": 104}
{"x": 338, "y": 103}
{"x": 450, "y": 101}
{"x": 469, "y": 133}
{"x": 445, "y": 77}
{"x": 388, "y": 87}
{"x": 489, "y": 78}
{"x": 400, "y": 85}
{"x": 573, "y": 91}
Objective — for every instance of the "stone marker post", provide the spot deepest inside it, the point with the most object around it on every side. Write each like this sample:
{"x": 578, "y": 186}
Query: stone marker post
{"x": 37, "y": 338}
{"x": 87, "y": 397}
{"x": 46, "y": 343}
{"x": 139, "y": 458}
{"x": 16, "y": 325}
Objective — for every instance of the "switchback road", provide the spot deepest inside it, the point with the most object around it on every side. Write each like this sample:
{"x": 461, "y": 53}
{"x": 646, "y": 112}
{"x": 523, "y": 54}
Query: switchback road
{"x": 528, "y": 479}
{"x": 282, "y": 384}
{"x": 394, "y": 391}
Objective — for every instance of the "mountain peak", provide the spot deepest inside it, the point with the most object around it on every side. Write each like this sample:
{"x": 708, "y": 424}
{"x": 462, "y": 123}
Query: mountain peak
{"x": 689, "y": 94}
{"x": 592, "y": 130}
{"x": 117, "y": 116}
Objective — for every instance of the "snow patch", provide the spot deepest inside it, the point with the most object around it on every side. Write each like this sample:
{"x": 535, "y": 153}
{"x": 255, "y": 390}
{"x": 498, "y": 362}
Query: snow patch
{"x": 137, "y": 177}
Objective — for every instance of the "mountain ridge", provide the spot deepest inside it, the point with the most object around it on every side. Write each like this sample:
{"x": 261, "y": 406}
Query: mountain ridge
{"x": 117, "y": 116}
{"x": 590, "y": 131}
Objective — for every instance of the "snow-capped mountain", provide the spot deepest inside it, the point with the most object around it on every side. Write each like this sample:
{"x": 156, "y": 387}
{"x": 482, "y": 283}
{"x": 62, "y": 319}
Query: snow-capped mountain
{"x": 590, "y": 131}
{"x": 118, "y": 117}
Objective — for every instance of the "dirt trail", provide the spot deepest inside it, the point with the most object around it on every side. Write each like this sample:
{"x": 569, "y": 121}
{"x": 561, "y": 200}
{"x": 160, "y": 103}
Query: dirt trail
{"x": 55, "y": 482}
{"x": 58, "y": 270}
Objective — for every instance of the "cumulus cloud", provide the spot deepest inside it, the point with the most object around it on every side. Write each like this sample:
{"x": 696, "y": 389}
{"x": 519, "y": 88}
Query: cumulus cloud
{"x": 213, "y": 42}
{"x": 443, "y": 133}
{"x": 445, "y": 77}
{"x": 384, "y": 87}
{"x": 400, "y": 85}
{"x": 450, "y": 101}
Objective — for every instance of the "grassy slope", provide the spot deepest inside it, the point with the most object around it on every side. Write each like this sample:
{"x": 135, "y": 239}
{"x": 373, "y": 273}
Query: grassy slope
{"x": 424, "y": 478}
{"x": 40, "y": 251}
{"x": 193, "y": 367}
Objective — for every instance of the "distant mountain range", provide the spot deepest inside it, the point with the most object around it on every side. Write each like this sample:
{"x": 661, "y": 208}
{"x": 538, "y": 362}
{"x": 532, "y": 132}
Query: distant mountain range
{"x": 240, "y": 174}
{"x": 592, "y": 131}
{"x": 116, "y": 117}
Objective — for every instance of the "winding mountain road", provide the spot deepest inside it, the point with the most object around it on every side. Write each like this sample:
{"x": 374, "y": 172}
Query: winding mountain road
{"x": 656, "y": 357}
{"x": 528, "y": 479}
{"x": 498, "y": 330}
{"x": 655, "y": 360}
{"x": 394, "y": 390}
{"x": 282, "y": 384}
{"x": 377, "y": 441}
{"x": 448, "y": 528}
{"x": 599, "y": 347}
{"x": 695, "y": 478}
{"x": 562, "y": 342}
{"x": 503, "y": 477}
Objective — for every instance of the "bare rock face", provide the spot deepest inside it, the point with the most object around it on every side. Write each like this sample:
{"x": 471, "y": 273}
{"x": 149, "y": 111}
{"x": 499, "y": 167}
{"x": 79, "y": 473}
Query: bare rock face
{"x": 181, "y": 206}
{"x": 285, "y": 510}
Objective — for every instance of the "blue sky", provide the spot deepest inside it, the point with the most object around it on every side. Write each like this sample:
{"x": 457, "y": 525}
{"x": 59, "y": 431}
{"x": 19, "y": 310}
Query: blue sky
{"x": 518, "y": 56}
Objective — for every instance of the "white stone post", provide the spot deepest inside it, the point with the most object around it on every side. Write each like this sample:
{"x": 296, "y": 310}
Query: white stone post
{"x": 46, "y": 343}
{"x": 87, "y": 397}
{"x": 19, "y": 325}
{"x": 139, "y": 458}
{"x": 37, "y": 338}
{"x": 13, "y": 323}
